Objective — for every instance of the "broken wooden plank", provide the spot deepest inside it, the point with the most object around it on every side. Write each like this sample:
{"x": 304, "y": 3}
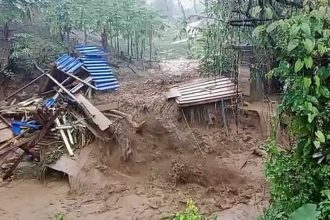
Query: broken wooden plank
{"x": 5, "y": 120}
{"x": 98, "y": 117}
{"x": 6, "y": 134}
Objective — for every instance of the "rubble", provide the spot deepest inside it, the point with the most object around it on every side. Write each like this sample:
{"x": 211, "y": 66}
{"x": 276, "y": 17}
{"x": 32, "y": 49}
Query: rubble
{"x": 43, "y": 128}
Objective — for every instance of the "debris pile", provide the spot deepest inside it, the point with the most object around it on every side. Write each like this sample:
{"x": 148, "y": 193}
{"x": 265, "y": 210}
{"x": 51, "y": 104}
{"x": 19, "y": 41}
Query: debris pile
{"x": 35, "y": 126}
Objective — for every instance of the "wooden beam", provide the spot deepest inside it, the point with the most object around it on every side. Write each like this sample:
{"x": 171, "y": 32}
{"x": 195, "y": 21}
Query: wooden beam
{"x": 80, "y": 80}
{"x": 57, "y": 83}
{"x": 99, "y": 119}
{"x": 27, "y": 85}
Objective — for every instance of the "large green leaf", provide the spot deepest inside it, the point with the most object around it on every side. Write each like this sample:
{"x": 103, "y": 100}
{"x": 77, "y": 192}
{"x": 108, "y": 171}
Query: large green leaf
{"x": 308, "y": 62}
{"x": 317, "y": 144}
{"x": 269, "y": 13}
{"x": 309, "y": 45}
{"x": 307, "y": 83}
{"x": 305, "y": 212}
{"x": 293, "y": 44}
{"x": 255, "y": 12}
{"x": 317, "y": 81}
{"x": 306, "y": 28}
{"x": 320, "y": 136}
{"x": 272, "y": 27}
{"x": 325, "y": 92}
{"x": 298, "y": 65}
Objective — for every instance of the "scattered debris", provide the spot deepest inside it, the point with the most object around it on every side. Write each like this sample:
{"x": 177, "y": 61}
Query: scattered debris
{"x": 40, "y": 128}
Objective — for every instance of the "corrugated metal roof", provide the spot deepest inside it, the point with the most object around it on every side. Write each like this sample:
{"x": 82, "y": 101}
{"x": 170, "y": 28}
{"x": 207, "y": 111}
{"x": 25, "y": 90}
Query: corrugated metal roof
{"x": 90, "y": 51}
{"x": 92, "y": 60}
{"x": 98, "y": 67}
{"x": 68, "y": 64}
{"x": 203, "y": 91}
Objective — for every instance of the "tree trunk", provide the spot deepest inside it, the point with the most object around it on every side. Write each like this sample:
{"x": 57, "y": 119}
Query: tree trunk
{"x": 143, "y": 46}
{"x": 68, "y": 36}
{"x": 137, "y": 45}
{"x": 6, "y": 31}
{"x": 85, "y": 33}
{"x": 132, "y": 46}
{"x": 118, "y": 47}
{"x": 111, "y": 36}
{"x": 150, "y": 45}
{"x": 104, "y": 39}
{"x": 128, "y": 45}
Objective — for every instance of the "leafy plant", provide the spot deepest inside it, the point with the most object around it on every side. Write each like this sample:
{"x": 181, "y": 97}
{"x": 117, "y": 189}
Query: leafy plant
{"x": 298, "y": 176}
{"x": 191, "y": 213}
{"x": 59, "y": 217}
{"x": 306, "y": 212}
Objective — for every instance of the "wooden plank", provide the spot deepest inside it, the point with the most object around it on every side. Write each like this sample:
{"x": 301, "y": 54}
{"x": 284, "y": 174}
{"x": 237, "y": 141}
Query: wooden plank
{"x": 99, "y": 119}
{"x": 5, "y": 120}
{"x": 6, "y": 134}
{"x": 172, "y": 93}
{"x": 3, "y": 125}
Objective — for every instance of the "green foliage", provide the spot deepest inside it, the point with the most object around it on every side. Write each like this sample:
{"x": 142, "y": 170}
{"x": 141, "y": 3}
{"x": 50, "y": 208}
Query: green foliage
{"x": 191, "y": 213}
{"x": 17, "y": 10}
{"x": 305, "y": 212}
{"x": 219, "y": 38}
{"x": 29, "y": 48}
{"x": 299, "y": 176}
{"x": 59, "y": 217}
{"x": 114, "y": 20}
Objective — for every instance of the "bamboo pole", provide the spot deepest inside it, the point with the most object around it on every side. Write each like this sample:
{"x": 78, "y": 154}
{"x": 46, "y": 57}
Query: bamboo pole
{"x": 64, "y": 137}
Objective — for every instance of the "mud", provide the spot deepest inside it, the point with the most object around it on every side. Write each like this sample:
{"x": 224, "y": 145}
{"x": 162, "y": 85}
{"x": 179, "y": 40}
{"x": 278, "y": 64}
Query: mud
{"x": 169, "y": 164}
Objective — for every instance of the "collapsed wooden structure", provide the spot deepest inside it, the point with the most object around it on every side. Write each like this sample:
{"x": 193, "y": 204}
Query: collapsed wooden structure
{"x": 60, "y": 120}
{"x": 206, "y": 99}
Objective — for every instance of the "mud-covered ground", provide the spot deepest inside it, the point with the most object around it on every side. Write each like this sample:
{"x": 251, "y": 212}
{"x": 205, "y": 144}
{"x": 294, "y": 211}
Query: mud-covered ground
{"x": 169, "y": 163}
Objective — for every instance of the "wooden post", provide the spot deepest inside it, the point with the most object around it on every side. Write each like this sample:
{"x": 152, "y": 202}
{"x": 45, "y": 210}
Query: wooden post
{"x": 224, "y": 115}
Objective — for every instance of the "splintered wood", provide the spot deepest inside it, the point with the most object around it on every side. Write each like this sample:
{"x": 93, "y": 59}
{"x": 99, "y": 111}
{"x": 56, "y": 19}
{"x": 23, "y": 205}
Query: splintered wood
{"x": 44, "y": 128}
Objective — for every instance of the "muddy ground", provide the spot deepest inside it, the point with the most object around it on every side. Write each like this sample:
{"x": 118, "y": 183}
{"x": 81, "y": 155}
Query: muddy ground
{"x": 168, "y": 163}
